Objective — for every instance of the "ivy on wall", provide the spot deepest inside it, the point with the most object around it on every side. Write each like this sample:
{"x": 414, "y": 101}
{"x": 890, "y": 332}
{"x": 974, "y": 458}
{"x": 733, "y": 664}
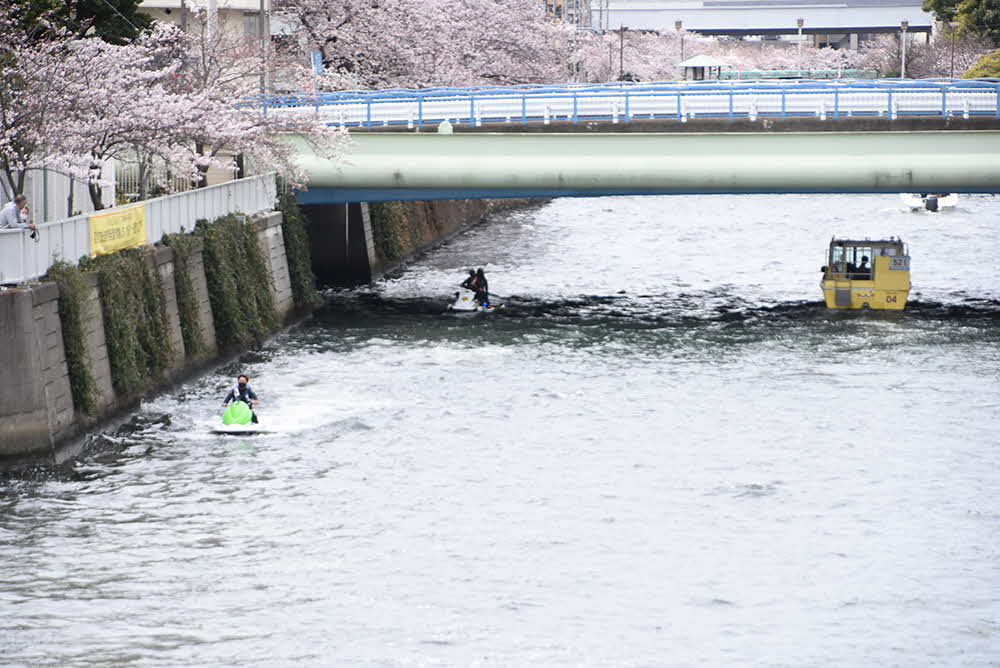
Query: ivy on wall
{"x": 184, "y": 246}
{"x": 238, "y": 281}
{"x": 293, "y": 228}
{"x": 135, "y": 319}
{"x": 73, "y": 295}
{"x": 390, "y": 229}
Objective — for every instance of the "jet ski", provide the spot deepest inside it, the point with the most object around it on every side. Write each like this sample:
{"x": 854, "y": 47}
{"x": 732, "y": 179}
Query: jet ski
{"x": 929, "y": 201}
{"x": 464, "y": 301}
{"x": 238, "y": 420}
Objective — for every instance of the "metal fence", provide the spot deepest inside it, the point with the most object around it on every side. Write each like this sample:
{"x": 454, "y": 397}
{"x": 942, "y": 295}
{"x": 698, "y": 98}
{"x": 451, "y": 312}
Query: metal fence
{"x": 624, "y": 102}
{"x": 22, "y": 259}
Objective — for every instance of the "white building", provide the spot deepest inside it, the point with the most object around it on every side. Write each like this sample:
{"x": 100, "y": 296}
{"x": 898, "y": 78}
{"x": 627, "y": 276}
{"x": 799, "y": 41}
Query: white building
{"x": 234, "y": 16}
{"x": 833, "y": 22}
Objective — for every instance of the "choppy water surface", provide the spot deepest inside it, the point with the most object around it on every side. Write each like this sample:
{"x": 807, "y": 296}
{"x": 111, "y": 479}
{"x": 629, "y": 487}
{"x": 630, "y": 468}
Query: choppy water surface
{"x": 664, "y": 452}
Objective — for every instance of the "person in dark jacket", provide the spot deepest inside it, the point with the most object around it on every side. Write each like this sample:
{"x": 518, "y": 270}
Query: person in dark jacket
{"x": 482, "y": 288}
{"x": 470, "y": 282}
{"x": 242, "y": 392}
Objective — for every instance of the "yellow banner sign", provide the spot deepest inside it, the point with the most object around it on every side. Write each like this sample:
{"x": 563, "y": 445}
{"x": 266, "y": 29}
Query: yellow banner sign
{"x": 112, "y": 231}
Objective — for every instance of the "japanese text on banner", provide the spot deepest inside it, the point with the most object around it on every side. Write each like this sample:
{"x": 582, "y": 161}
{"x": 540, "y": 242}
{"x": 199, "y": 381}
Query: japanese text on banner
{"x": 112, "y": 231}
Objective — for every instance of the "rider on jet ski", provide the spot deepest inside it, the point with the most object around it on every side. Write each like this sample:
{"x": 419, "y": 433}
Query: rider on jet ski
{"x": 470, "y": 282}
{"x": 242, "y": 392}
{"x": 482, "y": 288}
{"x": 477, "y": 283}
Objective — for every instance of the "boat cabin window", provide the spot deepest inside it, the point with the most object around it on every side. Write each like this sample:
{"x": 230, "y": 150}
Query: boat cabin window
{"x": 854, "y": 263}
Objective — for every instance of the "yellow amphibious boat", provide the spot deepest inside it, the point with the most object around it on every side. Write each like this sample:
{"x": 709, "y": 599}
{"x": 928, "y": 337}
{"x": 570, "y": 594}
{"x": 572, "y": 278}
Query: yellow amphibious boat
{"x": 867, "y": 274}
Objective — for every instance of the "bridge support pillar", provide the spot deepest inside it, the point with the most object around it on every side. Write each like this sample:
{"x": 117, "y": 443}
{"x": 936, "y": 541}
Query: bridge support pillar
{"x": 340, "y": 237}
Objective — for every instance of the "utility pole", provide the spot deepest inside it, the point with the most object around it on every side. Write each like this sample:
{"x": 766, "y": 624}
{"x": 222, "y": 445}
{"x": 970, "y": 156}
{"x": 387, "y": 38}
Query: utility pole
{"x": 679, "y": 27}
{"x": 621, "y": 53}
{"x": 184, "y": 16}
{"x": 213, "y": 20}
{"x": 953, "y": 25}
{"x": 903, "y": 27}
{"x": 798, "y": 45}
{"x": 262, "y": 28}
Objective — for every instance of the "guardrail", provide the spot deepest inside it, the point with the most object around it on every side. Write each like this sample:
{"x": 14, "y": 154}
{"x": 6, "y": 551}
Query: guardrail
{"x": 625, "y": 102}
{"x": 22, "y": 259}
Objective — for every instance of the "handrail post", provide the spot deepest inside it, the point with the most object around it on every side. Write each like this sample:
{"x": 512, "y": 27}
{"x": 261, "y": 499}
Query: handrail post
{"x": 628, "y": 113}
{"x": 944, "y": 103}
{"x": 836, "y": 103}
{"x": 420, "y": 111}
{"x": 997, "y": 112}
{"x": 472, "y": 110}
{"x": 368, "y": 117}
{"x": 574, "y": 108}
{"x": 888, "y": 113}
{"x": 730, "y": 102}
{"x": 784, "y": 115}
{"x": 524, "y": 109}
{"x": 678, "y": 105}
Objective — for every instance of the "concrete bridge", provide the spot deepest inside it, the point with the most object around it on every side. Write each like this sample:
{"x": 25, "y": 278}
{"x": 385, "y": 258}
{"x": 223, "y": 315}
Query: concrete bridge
{"x": 648, "y": 139}
{"x": 662, "y": 138}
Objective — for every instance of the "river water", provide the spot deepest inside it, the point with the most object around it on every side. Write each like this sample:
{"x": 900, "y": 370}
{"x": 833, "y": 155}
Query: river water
{"x": 664, "y": 452}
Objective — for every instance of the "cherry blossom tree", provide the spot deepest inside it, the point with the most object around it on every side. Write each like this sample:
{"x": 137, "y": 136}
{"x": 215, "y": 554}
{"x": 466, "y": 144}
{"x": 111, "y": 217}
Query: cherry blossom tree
{"x": 164, "y": 98}
{"x": 406, "y": 43}
{"x": 31, "y": 75}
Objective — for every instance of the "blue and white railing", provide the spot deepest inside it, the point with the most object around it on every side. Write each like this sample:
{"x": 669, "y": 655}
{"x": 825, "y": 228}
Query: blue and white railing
{"x": 627, "y": 102}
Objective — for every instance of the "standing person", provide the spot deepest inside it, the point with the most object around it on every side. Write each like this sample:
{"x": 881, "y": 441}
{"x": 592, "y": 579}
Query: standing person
{"x": 482, "y": 288}
{"x": 242, "y": 392}
{"x": 12, "y": 212}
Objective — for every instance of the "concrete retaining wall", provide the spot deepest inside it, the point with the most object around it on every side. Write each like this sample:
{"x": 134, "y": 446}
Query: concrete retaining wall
{"x": 272, "y": 245}
{"x": 96, "y": 346}
{"x": 196, "y": 270}
{"x": 162, "y": 258}
{"x": 36, "y": 405}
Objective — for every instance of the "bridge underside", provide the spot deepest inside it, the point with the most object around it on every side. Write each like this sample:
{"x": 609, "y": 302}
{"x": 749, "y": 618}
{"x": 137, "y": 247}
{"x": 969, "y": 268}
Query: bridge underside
{"x": 428, "y": 166}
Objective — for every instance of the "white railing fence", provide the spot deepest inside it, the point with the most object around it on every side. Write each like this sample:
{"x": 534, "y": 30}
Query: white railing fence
{"x": 22, "y": 259}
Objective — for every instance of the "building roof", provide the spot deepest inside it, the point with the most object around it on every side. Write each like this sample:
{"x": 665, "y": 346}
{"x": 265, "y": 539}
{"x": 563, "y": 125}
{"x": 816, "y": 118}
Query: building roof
{"x": 701, "y": 61}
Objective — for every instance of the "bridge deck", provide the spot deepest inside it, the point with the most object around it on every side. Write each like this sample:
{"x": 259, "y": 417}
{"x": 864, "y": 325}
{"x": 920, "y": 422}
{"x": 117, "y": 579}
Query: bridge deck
{"x": 400, "y": 166}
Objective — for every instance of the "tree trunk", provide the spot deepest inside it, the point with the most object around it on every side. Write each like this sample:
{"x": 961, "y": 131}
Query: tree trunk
{"x": 143, "y": 180}
{"x": 95, "y": 195}
{"x": 93, "y": 185}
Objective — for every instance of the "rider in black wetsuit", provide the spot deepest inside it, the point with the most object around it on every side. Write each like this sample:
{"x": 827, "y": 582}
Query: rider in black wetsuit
{"x": 242, "y": 392}
{"x": 482, "y": 288}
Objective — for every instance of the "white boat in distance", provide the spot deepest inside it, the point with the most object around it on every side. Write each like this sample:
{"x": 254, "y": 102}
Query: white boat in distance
{"x": 929, "y": 201}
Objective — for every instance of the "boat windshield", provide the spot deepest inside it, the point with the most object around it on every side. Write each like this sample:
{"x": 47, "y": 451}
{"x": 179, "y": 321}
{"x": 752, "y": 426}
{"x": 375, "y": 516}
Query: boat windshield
{"x": 853, "y": 263}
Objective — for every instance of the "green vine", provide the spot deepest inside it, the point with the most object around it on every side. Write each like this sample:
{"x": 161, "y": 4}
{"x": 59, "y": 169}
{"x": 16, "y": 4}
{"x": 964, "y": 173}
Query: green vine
{"x": 135, "y": 319}
{"x": 238, "y": 281}
{"x": 293, "y": 228}
{"x": 390, "y": 229}
{"x": 184, "y": 246}
{"x": 73, "y": 294}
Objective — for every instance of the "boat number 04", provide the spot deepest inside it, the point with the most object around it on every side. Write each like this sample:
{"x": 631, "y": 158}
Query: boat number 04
{"x": 890, "y": 299}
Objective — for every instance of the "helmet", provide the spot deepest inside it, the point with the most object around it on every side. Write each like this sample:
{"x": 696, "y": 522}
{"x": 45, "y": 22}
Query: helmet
{"x": 479, "y": 271}
{"x": 472, "y": 272}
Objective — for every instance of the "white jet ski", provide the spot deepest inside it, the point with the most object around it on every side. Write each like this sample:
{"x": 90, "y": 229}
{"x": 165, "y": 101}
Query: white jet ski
{"x": 929, "y": 201}
{"x": 464, "y": 301}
